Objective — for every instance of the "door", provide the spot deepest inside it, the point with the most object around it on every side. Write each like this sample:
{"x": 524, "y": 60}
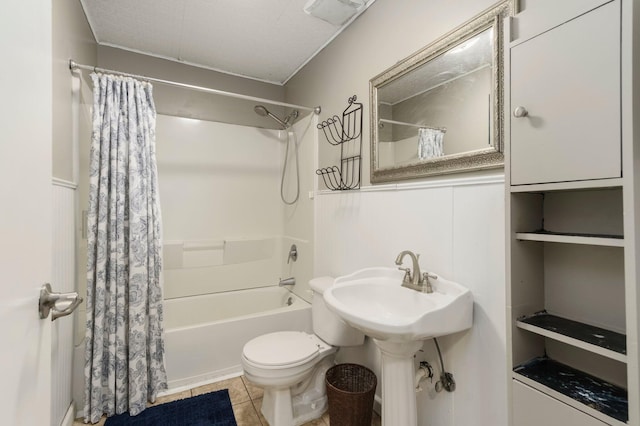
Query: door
{"x": 25, "y": 211}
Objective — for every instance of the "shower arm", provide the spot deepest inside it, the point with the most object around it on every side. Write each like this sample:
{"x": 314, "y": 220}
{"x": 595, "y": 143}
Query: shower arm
{"x": 262, "y": 111}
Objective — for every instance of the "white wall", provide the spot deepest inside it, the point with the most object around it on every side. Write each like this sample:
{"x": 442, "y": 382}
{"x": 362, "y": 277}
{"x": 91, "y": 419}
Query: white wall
{"x": 72, "y": 39}
{"x": 457, "y": 227}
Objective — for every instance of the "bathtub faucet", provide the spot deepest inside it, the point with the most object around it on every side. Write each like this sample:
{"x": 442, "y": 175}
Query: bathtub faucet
{"x": 287, "y": 281}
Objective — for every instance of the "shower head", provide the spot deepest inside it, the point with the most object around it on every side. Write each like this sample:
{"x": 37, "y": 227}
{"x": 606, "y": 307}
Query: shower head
{"x": 261, "y": 110}
{"x": 264, "y": 112}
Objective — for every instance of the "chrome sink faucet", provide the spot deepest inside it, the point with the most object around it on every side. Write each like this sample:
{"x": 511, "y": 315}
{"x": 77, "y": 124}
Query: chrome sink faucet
{"x": 415, "y": 280}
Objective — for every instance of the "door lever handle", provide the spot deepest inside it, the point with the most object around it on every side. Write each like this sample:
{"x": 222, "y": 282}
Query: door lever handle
{"x": 62, "y": 304}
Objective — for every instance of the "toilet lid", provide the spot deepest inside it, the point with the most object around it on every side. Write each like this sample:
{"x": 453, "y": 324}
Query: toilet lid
{"x": 281, "y": 348}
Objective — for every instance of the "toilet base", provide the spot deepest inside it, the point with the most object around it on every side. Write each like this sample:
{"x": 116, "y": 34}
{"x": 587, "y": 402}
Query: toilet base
{"x": 302, "y": 403}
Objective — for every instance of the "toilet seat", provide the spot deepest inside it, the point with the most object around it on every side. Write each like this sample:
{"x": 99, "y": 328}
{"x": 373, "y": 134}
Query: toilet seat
{"x": 282, "y": 349}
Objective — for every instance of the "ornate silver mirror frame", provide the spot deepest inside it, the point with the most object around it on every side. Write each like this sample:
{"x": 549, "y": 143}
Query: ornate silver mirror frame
{"x": 490, "y": 156}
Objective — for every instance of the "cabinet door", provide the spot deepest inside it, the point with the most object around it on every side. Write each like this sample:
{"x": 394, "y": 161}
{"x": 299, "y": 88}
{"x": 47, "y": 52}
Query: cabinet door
{"x": 568, "y": 80}
{"x": 538, "y": 16}
{"x": 534, "y": 408}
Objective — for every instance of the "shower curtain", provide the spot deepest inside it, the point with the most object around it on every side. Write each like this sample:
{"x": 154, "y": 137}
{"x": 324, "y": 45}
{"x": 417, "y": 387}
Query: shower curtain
{"x": 124, "y": 359}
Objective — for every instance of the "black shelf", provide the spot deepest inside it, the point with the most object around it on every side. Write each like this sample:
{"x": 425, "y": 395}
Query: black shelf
{"x": 595, "y": 393}
{"x": 599, "y": 337}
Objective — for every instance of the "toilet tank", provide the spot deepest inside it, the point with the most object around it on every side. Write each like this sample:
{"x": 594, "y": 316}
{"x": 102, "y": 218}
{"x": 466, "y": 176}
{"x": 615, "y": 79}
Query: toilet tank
{"x": 326, "y": 324}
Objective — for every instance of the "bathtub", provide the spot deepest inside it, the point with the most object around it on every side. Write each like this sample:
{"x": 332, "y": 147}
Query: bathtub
{"x": 204, "y": 335}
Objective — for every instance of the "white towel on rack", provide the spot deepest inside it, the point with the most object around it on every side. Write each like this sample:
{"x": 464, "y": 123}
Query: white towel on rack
{"x": 430, "y": 143}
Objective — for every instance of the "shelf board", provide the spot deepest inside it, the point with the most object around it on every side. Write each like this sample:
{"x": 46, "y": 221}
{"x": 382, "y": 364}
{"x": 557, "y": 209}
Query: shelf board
{"x": 568, "y": 186}
{"x": 580, "y": 390}
{"x": 593, "y": 339}
{"x": 572, "y": 238}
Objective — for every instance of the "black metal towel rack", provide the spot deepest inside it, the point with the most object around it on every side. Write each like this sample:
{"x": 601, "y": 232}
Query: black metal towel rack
{"x": 345, "y": 131}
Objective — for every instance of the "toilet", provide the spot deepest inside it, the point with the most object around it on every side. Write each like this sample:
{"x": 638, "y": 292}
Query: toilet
{"x": 290, "y": 365}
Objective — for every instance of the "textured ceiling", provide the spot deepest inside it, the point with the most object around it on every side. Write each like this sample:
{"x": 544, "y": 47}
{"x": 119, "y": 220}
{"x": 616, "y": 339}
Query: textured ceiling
{"x": 268, "y": 40}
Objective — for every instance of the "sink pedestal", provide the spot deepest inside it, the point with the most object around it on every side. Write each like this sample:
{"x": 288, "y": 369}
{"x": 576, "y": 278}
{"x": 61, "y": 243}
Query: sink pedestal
{"x": 398, "y": 394}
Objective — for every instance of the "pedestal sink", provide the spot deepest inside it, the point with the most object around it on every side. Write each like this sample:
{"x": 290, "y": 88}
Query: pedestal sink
{"x": 399, "y": 319}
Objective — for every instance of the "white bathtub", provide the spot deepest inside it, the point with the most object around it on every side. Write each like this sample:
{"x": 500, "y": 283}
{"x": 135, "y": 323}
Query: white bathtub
{"x": 204, "y": 335}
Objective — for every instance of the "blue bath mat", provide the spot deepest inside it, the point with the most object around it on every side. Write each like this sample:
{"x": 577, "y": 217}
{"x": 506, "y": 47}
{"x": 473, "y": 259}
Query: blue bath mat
{"x": 210, "y": 409}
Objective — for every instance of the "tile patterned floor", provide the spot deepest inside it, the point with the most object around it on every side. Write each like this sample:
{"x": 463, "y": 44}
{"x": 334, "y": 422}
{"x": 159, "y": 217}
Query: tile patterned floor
{"x": 246, "y": 400}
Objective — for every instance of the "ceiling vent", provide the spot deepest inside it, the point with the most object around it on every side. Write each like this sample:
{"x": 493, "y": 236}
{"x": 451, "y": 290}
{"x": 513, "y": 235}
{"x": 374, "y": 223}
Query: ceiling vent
{"x": 335, "y": 12}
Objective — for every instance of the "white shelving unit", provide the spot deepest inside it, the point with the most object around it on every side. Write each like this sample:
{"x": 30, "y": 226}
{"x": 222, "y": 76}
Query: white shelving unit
{"x": 558, "y": 237}
{"x": 572, "y": 188}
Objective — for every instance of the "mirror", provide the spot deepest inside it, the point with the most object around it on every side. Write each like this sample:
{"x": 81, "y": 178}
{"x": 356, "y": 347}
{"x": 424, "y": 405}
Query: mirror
{"x": 440, "y": 110}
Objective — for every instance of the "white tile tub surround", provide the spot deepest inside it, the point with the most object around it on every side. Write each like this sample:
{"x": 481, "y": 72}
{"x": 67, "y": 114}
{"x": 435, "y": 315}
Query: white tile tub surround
{"x": 203, "y": 253}
{"x": 218, "y": 181}
{"x": 223, "y": 218}
{"x": 456, "y": 224}
{"x": 204, "y": 335}
{"x": 198, "y": 267}
{"x": 192, "y": 254}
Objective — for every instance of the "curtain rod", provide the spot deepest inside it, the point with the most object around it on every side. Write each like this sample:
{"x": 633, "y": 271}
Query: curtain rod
{"x": 402, "y": 123}
{"x": 73, "y": 65}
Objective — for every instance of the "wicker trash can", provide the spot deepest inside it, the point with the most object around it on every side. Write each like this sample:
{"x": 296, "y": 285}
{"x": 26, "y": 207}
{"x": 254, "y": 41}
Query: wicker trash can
{"x": 350, "y": 389}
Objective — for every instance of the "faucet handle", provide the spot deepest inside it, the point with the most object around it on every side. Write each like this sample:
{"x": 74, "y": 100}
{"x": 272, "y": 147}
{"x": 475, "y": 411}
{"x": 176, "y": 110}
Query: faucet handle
{"x": 293, "y": 253}
{"x": 427, "y": 275}
{"x": 427, "y": 287}
{"x": 407, "y": 275}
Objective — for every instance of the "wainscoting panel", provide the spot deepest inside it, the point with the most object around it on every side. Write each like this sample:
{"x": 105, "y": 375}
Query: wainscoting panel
{"x": 63, "y": 280}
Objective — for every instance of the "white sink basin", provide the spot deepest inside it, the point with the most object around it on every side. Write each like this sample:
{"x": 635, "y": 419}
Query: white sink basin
{"x": 373, "y": 301}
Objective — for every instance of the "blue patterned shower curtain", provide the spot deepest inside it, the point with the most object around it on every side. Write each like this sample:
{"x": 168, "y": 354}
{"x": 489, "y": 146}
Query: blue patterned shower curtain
{"x": 124, "y": 362}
